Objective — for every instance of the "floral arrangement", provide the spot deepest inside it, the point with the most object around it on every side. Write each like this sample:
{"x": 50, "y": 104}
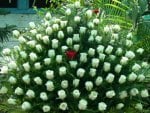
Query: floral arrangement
{"x": 73, "y": 63}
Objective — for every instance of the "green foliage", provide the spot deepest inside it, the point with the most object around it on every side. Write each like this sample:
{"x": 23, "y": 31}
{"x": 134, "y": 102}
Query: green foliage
{"x": 5, "y": 32}
{"x": 114, "y": 12}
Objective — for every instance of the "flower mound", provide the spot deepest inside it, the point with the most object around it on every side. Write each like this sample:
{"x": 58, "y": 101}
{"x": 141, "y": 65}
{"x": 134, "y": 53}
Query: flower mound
{"x": 72, "y": 63}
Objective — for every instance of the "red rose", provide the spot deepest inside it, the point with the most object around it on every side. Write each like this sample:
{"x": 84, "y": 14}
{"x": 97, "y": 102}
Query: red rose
{"x": 71, "y": 54}
{"x": 96, "y": 11}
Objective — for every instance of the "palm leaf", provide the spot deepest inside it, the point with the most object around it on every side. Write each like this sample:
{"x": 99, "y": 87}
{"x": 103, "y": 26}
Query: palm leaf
{"x": 5, "y": 33}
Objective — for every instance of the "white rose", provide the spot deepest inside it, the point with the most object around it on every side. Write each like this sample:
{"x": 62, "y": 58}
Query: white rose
{"x": 123, "y": 94}
{"x": 77, "y": 19}
{"x": 23, "y": 54}
{"x": 55, "y": 27}
{"x": 76, "y": 47}
{"x": 38, "y": 80}
{"x": 37, "y": 66}
{"x": 141, "y": 78}
{"x": 55, "y": 43}
{"x": 145, "y": 65}
{"x": 64, "y": 48}
{"x": 98, "y": 39}
{"x": 45, "y": 39}
{"x": 51, "y": 53}
{"x": 120, "y": 106}
{"x": 50, "y": 74}
{"x": 115, "y": 36}
{"x": 77, "y": 4}
{"x": 92, "y": 72}
{"x": 91, "y": 51}
{"x": 6, "y": 51}
{"x": 4, "y": 70}
{"x": 102, "y": 56}
{"x": 139, "y": 106}
{"x": 49, "y": 85}
{"x": 140, "y": 51}
{"x": 26, "y": 79}
{"x": 69, "y": 41}
{"x": 26, "y": 106}
{"x": 129, "y": 43}
{"x": 61, "y": 94}
{"x": 100, "y": 49}
{"x": 80, "y": 72}
{"x": 68, "y": 12}
{"x": 33, "y": 56}
{"x": 118, "y": 68}
{"x": 107, "y": 29}
{"x": 30, "y": 93}
{"x": 63, "y": 24}
{"x": 98, "y": 81}
{"x": 136, "y": 67}
{"x": 12, "y": 65}
{"x": 46, "y": 108}
{"x": 91, "y": 38}
{"x": 33, "y": 32}
{"x": 144, "y": 93}
{"x": 31, "y": 43}
{"x": 32, "y": 25}
{"x": 69, "y": 30}
{"x": 90, "y": 25}
{"x": 119, "y": 51}
{"x": 112, "y": 57}
{"x": 88, "y": 85}
{"x": 38, "y": 36}
{"x": 76, "y": 82}
{"x": 47, "y": 61}
{"x": 26, "y": 66}
{"x": 3, "y": 90}
{"x": 89, "y": 13}
{"x": 106, "y": 66}
{"x": 60, "y": 34}
{"x": 49, "y": 30}
{"x": 43, "y": 96}
{"x": 76, "y": 37}
{"x": 109, "y": 49}
{"x": 134, "y": 92}
{"x": 93, "y": 95}
{"x": 102, "y": 106}
{"x": 19, "y": 91}
{"x": 110, "y": 94}
{"x": 130, "y": 54}
{"x": 62, "y": 71}
{"x": 124, "y": 60}
{"x": 93, "y": 32}
{"x": 116, "y": 27}
{"x": 16, "y": 33}
{"x": 129, "y": 35}
{"x": 38, "y": 48}
{"x": 11, "y": 101}
{"x": 17, "y": 48}
{"x": 95, "y": 62}
{"x": 110, "y": 78}
{"x": 12, "y": 80}
{"x": 132, "y": 77}
{"x": 82, "y": 104}
{"x": 76, "y": 93}
{"x": 122, "y": 79}
{"x": 63, "y": 106}
{"x": 82, "y": 30}
{"x": 96, "y": 21}
{"x": 73, "y": 64}
{"x": 64, "y": 84}
{"x": 48, "y": 15}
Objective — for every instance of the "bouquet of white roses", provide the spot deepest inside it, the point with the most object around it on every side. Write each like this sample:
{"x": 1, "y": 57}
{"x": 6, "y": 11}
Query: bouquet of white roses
{"x": 72, "y": 63}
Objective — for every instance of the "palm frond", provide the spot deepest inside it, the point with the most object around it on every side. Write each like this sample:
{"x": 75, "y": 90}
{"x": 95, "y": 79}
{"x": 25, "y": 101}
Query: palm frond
{"x": 5, "y": 33}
